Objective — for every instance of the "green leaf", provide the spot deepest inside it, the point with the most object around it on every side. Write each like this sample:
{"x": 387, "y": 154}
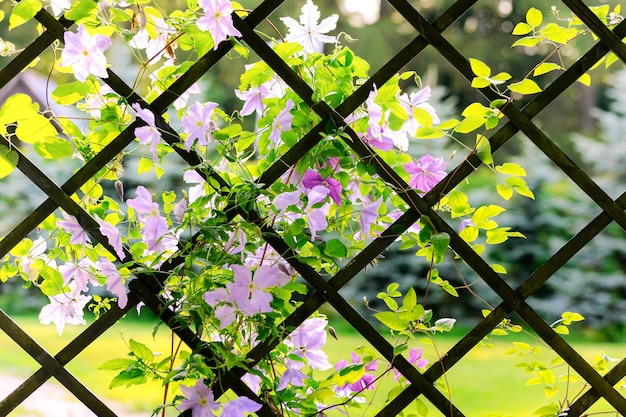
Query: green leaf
{"x": 505, "y": 191}
{"x": 392, "y": 321}
{"x": 561, "y": 329}
{"x": 33, "y": 127}
{"x": 135, "y": 376}
{"x": 546, "y": 67}
{"x": 70, "y": 93}
{"x": 528, "y": 41}
{"x": 23, "y": 12}
{"x": 525, "y": 87}
{"x": 483, "y": 149}
{"x": 81, "y": 10}
{"x": 479, "y": 68}
{"x": 8, "y": 161}
{"x": 410, "y": 299}
{"x": 335, "y": 248}
{"x": 115, "y": 364}
{"x": 421, "y": 408}
{"x": 534, "y": 17}
{"x": 141, "y": 351}
{"x": 53, "y": 147}
{"x": 480, "y": 82}
{"x": 144, "y": 165}
{"x": 440, "y": 243}
{"x": 510, "y": 168}
{"x": 469, "y": 124}
{"x": 459, "y": 204}
{"x": 585, "y": 79}
{"x": 522, "y": 28}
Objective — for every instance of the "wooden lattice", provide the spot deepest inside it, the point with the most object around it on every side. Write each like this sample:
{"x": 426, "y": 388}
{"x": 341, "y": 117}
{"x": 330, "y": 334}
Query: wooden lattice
{"x": 145, "y": 288}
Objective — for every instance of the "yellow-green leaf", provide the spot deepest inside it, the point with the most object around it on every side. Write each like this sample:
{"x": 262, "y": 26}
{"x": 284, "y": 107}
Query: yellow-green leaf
{"x": 422, "y": 117}
{"x": 534, "y": 17}
{"x": 70, "y": 93}
{"x": 8, "y": 161}
{"x": 23, "y": 12}
{"x": 33, "y": 128}
{"x": 480, "y": 82}
{"x": 528, "y": 41}
{"x": 479, "y": 68}
{"x": 470, "y": 124}
{"x": 510, "y": 168}
{"x": 522, "y": 29}
{"x": 585, "y": 79}
{"x": 52, "y": 147}
{"x": 545, "y": 68}
{"x": 145, "y": 165}
{"x": 505, "y": 191}
{"x": 483, "y": 149}
{"x": 525, "y": 87}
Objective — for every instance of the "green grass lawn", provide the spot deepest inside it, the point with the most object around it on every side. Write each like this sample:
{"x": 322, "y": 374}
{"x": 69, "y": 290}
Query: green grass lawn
{"x": 486, "y": 381}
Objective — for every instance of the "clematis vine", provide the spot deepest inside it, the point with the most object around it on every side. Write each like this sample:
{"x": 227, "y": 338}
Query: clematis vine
{"x": 248, "y": 220}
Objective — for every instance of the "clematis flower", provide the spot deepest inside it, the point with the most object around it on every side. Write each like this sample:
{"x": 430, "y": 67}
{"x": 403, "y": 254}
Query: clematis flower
{"x": 59, "y": 6}
{"x": 239, "y": 407}
{"x": 37, "y": 252}
{"x": 312, "y": 179}
{"x": 426, "y": 173}
{"x": 113, "y": 235}
{"x": 199, "y": 399}
{"x": 66, "y": 308}
{"x": 415, "y": 358}
{"x": 155, "y": 47}
{"x": 307, "y": 342}
{"x": 365, "y": 382}
{"x": 84, "y": 53}
{"x": 71, "y": 225}
{"x": 148, "y": 134}
{"x": 378, "y": 133}
{"x": 248, "y": 292}
{"x": 368, "y": 216}
{"x": 217, "y": 20}
{"x": 114, "y": 280}
{"x": 142, "y": 203}
{"x": 417, "y": 100}
{"x": 282, "y": 122}
{"x": 291, "y": 376}
{"x": 309, "y": 33}
{"x": 253, "y": 100}
{"x": 197, "y": 123}
{"x": 80, "y": 273}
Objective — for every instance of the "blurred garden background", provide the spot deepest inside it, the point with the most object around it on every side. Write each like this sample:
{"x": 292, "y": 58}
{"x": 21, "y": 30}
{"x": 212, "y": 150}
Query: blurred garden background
{"x": 584, "y": 121}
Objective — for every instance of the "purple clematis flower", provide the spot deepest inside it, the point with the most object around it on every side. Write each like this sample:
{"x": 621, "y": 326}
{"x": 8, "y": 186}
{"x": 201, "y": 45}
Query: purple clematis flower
{"x": 312, "y": 179}
{"x": 217, "y": 20}
{"x": 199, "y": 399}
{"x": 239, "y": 407}
{"x": 84, "y": 53}
{"x": 197, "y": 123}
{"x": 282, "y": 122}
{"x": 426, "y": 173}
{"x": 148, "y": 134}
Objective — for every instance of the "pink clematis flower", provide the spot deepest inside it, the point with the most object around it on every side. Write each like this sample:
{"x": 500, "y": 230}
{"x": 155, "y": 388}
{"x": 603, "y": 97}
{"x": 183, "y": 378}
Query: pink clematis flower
{"x": 66, "y": 308}
{"x": 426, "y": 173}
{"x": 307, "y": 341}
{"x": 282, "y": 122}
{"x": 198, "y": 123}
{"x": 240, "y": 407}
{"x": 312, "y": 179}
{"x": 249, "y": 293}
{"x": 84, "y": 53}
{"x": 199, "y": 399}
{"x": 71, "y": 225}
{"x": 148, "y": 134}
{"x": 217, "y": 20}
{"x": 310, "y": 34}
{"x": 113, "y": 235}
{"x": 253, "y": 100}
{"x": 415, "y": 358}
{"x": 115, "y": 283}
{"x": 80, "y": 273}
